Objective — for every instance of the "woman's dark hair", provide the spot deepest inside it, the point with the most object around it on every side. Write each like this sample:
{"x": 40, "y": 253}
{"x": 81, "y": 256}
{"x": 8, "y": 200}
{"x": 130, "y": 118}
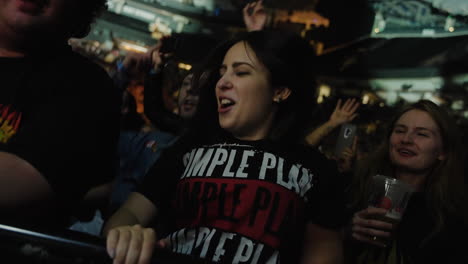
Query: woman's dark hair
{"x": 445, "y": 189}
{"x": 288, "y": 59}
{"x": 86, "y": 13}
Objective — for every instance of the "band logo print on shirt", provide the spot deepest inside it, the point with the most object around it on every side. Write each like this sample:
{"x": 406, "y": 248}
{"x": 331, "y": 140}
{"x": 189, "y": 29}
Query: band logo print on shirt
{"x": 255, "y": 195}
{"x": 205, "y": 242}
{"x": 9, "y": 123}
{"x": 235, "y": 163}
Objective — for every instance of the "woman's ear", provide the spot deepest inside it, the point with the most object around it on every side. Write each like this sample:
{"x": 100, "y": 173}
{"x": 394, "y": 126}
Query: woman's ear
{"x": 281, "y": 93}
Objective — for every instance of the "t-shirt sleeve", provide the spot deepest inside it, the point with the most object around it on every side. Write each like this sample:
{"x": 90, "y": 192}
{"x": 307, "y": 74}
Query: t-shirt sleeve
{"x": 70, "y": 128}
{"x": 326, "y": 200}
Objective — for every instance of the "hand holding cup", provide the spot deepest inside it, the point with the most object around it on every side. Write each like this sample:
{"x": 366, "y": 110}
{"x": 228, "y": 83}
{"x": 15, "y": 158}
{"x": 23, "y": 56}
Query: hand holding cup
{"x": 366, "y": 226}
{"x": 377, "y": 223}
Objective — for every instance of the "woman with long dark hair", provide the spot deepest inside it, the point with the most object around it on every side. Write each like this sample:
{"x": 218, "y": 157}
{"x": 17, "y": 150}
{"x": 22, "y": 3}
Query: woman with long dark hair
{"x": 241, "y": 186}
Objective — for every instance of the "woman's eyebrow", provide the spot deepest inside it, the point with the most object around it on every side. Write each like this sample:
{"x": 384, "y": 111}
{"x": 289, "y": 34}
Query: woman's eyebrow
{"x": 237, "y": 64}
{"x": 416, "y": 128}
{"x": 425, "y": 129}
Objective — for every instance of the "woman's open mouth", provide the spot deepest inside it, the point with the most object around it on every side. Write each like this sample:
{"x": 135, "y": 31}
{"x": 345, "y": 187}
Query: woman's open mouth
{"x": 225, "y": 104}
{"x": 406, "y": 152}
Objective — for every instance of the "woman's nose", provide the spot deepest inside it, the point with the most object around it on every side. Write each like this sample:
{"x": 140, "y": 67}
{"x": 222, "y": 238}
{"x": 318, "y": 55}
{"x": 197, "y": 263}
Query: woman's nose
{"x": 191, "y": 90}
{"x": 407, "y": 138}
{"x": 224, "y": 83}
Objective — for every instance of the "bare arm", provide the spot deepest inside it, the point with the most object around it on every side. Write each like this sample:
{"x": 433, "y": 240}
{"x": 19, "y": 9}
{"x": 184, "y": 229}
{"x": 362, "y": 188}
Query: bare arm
{"x": 322, "y": 245}
{"x": 316, "y": 136}
{"x": 137, "y": 210}
{"x": 342, "y": 114}
{"x": 24, "y": 192}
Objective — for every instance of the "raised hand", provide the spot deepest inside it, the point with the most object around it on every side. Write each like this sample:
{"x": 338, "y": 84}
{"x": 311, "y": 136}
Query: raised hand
{"x": 254, "y": 16}
{"x": 344, "y": 113}
{"x": 158, "y": 58}
{"x": 367, "y": 229}
{"x": 141, "y": 63}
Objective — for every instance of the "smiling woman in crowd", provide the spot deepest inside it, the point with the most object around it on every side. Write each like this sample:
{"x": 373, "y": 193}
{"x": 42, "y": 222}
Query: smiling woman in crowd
{"x": 423, "y": 150}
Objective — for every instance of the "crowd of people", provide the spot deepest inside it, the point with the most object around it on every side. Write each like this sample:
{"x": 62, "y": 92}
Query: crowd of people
{"x": 230, "y": 162}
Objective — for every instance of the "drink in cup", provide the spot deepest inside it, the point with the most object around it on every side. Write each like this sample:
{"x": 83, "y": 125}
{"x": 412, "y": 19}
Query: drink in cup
{"x": 392, "y": 195}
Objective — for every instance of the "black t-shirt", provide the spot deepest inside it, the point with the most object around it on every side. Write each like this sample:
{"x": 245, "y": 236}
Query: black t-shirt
{"x": 243, "y": 201}
{"x": 61, "y": 114}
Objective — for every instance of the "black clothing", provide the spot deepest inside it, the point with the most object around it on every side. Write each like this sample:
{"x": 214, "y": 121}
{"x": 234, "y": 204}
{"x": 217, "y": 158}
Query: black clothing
{"x": 245, "y": 201}
{"x": 60, "y": 113}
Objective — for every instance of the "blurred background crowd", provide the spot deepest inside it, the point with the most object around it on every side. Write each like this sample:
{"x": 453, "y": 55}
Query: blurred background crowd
{"x": 384, "y": 53}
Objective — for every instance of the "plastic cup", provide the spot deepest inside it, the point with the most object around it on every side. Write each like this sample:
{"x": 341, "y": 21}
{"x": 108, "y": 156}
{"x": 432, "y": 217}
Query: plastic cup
{"x": 390, "y": 194}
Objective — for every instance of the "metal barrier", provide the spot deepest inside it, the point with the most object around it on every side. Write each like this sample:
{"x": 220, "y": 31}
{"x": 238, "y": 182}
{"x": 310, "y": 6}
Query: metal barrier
{"x": 19, "y": 246}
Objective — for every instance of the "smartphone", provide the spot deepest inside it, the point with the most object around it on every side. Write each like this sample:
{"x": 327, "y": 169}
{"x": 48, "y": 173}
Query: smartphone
{"x": 345, "y": 138}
